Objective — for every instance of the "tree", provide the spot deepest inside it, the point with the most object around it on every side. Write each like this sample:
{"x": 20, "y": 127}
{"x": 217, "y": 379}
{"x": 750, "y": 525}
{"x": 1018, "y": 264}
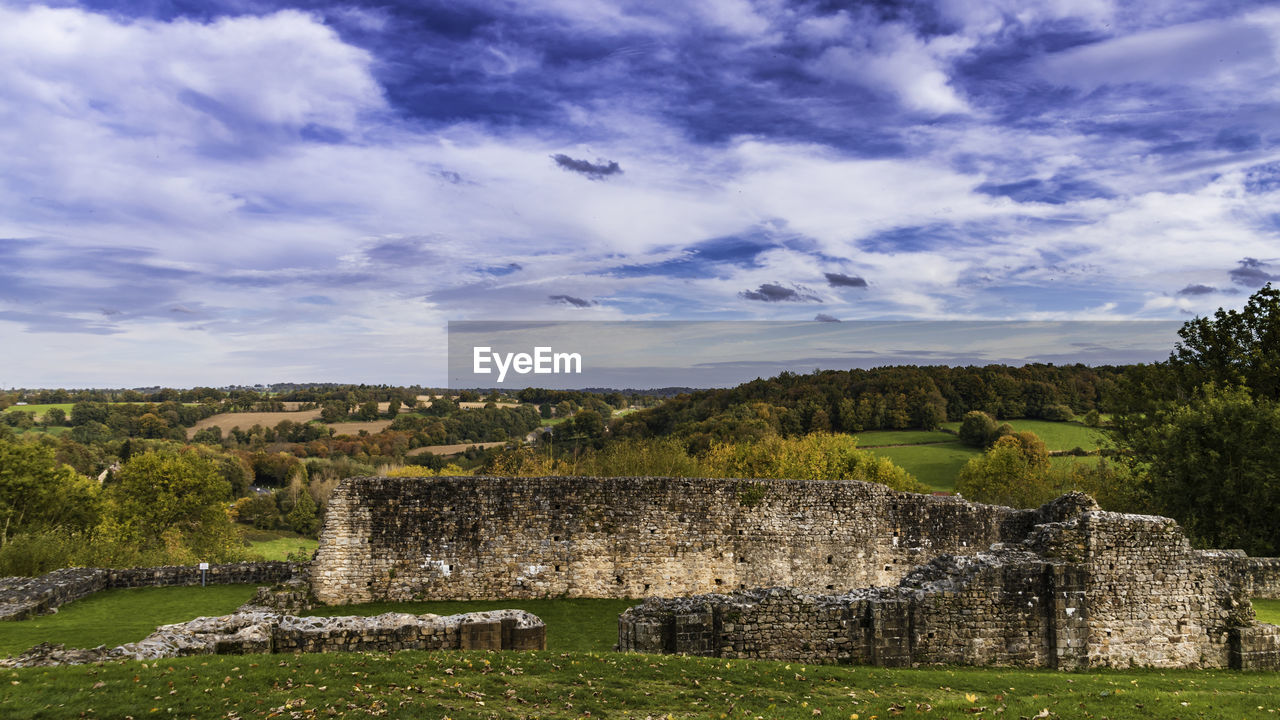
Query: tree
{"x": 368, "y": 410}
{"x": 161, "y": 491}
{"x": 1239, "y": 348}
{"x": 1200, "y": 430}
{"x": 393, "y": 408}
{"x": 38, "y": 494}
{"x": 1006, "y": 475}
{"x": 54, "y": 416}
{"x": 977, "y": 429}
{"x": 1211, "y": 464}
{"x": 302, "y": 518}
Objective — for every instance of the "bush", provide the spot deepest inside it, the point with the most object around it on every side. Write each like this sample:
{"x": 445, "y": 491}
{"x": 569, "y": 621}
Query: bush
{"x": 1057, "y": 413}
{"x": 977, "y": 429}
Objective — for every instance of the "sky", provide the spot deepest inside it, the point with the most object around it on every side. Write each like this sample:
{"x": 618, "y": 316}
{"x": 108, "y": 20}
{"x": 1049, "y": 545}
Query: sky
{"x": 209, "y": 193}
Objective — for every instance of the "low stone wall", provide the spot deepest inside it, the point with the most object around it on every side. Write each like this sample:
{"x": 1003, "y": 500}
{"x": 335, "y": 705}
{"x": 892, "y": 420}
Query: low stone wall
{"x": 21, "y": 597}
{"x": 1263, "y": 575}
{"x": 1256, "y": 648}
{"x": 264, "y": 632}
{"x": 1084, "y": 588}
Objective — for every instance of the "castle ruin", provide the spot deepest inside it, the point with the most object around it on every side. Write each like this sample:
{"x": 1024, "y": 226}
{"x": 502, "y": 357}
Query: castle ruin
{"x": 853, "y": 572}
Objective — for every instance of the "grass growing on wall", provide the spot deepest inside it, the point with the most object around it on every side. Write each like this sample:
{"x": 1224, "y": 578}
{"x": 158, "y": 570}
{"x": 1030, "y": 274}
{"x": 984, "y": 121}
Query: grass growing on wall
{"x": 114, "y": 617}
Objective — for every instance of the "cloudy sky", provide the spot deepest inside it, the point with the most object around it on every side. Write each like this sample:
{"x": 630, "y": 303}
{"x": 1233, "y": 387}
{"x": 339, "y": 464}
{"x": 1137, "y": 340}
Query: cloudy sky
{"x": 252, "y": 191}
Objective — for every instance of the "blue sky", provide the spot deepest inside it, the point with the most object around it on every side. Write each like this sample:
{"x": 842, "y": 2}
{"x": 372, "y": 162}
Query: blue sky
{"x": 243, "y": 191}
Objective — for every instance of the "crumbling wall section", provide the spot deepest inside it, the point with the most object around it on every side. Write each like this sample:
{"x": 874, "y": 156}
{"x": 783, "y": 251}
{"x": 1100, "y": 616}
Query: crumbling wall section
{"x": 495, "y": 538}
{"x": 1083, "y": 590}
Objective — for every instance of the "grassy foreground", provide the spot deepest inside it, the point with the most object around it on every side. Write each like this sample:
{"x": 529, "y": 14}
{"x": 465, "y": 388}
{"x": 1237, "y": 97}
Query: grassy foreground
{"x": 577, "y": 678}
{"x": 605, "y": 684}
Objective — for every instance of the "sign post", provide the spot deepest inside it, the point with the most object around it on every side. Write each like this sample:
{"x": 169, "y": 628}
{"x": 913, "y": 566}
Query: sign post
{"x": 204, "y": 567}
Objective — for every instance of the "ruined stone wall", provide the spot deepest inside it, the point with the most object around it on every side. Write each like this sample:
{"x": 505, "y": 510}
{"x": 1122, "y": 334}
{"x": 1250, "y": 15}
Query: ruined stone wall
{"x": 1084, "y": 588}
{"x": 1152, "y": 600}
{"x": 22, "y": 597}
{"x": 494, "y": 538}
{"x": 266, "y": 632}
{"x": 1263, "y": 575}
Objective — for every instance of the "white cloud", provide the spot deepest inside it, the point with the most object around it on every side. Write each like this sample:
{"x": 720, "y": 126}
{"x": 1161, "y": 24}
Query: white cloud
{"x": 893, "y": 59}
{"x": 1226, "y": 54}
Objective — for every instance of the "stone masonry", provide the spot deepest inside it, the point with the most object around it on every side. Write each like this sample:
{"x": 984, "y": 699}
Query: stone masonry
{"x": 23, "y": 597}
{"x": 460, "y": 538}
{"x": 266, "y": 632}
{"x": 1082, "y": 588}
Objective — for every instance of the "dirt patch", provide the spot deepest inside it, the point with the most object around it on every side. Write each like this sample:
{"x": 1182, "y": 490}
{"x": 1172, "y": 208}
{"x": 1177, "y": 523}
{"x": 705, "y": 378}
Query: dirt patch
{"x": 452, "y": 449}
{"x": 246, "y": 420}
{"x": 354, "y": 428}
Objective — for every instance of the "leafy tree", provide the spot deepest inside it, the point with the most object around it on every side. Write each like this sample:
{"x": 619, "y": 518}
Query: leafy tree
{"x": 1234, "y": 347}
{"x": 161, "y": 491}
{"x": 393, "y": 408}
{"x": 977, "y": 429}
{"x": 368, "y": 410}
{"x": 587, "y": 423}
{"x": 54, "y": 416}
{"x": 259, "y": 510}
{"x": 302, "y": 518}
{"x": 1211, "y": 463}
{"x": 1006, "y": 475}
{"x": 37, "y": 493}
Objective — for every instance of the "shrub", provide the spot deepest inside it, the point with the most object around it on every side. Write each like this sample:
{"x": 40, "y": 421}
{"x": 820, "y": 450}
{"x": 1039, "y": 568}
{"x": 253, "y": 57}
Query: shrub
{"x": 977, "y": 429}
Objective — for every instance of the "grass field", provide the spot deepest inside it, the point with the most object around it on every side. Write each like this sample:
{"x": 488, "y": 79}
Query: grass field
{"x": 936, "y": 457}
{"x": 56, "y": 430}
{"x": 935, "y": 465}
{"x": 112, "y": 617}
{"x": 881, "y": 438}
{"x": 550, "y": 684}
{"x": 577, "y": 677}
{"x": 276, "y": 544}
{"x": 1268, "y": 611}
{"x": 452, "y": 449}
{"x": 40, "y": 409}
{"x": 1056, "y": 435}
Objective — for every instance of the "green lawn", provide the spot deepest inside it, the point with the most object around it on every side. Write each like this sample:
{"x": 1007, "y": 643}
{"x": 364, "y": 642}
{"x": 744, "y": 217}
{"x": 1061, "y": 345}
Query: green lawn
{"x": 1268, "y": 610}
{"x": 901, "y": 437}
{"x": 550, "y": 684}
{"x": 578, "y": 675}
{"x": 573, "y": 624}
{"x": 277, "y": 544}
{"x": 1056, "y": 435}
{"x": 55, "y": 430}
{"x": 112, "y": 617}
{"x": 40, "y": 408}
{"x": 933, "y": 465}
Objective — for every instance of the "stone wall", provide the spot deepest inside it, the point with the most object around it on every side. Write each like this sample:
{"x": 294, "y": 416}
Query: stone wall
{"x": 1083, "y": 588}
{"x": 1263, "y": 575}
{"x": 265, "y": 632}
{"x": 22, "y": 597}
{"x": 494, "y": 538}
